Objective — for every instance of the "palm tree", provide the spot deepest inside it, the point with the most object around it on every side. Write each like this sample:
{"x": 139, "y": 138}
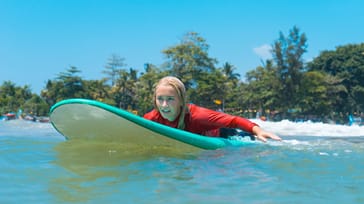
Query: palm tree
{"x": 228, "y": 71}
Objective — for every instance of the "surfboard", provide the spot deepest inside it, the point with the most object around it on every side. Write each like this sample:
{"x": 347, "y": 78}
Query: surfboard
{"x": 90, "y": 120}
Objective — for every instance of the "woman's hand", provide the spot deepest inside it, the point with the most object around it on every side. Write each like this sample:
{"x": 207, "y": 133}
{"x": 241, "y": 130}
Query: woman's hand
{"x": 262, "y": 135}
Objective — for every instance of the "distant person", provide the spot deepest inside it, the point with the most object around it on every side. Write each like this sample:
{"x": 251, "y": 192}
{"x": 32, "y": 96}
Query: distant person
{"x": 171, "y": 109}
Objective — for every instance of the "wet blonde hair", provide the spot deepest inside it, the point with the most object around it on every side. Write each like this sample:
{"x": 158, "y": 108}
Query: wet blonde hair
{"x": 180, "y": 89}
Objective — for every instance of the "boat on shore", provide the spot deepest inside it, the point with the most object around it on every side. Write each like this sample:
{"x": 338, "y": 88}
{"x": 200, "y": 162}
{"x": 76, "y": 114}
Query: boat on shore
{"x": 9, "y": 116}
{"x": 13, "y": 116}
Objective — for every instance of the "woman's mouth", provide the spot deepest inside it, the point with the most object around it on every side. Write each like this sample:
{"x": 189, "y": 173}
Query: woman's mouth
{"x": 165, "y": 111}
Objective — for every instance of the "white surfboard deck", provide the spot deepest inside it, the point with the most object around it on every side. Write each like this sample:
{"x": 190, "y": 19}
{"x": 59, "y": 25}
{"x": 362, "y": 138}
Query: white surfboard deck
{"x": 89, "y": 120}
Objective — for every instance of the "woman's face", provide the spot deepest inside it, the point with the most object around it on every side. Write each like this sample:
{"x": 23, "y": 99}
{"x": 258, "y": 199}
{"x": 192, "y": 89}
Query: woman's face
{"x": 168, "y": 102}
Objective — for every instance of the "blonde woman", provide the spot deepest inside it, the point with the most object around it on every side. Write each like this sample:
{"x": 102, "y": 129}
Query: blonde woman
{"x": 171, "y": 109}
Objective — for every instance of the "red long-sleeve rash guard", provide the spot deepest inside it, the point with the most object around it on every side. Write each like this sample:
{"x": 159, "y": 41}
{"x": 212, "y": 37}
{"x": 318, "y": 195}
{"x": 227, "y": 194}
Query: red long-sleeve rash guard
{"x": 204, "y": 121}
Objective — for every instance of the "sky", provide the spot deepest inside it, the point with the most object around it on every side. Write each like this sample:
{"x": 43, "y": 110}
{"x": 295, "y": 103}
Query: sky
{"x": 41, "y": 38}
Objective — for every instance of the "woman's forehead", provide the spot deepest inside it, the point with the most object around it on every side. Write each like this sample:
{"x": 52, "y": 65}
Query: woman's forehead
{"x": 166, "y": 90}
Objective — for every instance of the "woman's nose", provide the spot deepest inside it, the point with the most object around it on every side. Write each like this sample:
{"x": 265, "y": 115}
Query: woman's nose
{"x": 164, "y": 103}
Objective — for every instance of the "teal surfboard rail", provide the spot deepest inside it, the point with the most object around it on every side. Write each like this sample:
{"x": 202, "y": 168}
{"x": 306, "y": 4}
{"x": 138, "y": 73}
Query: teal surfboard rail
{"x": 204, "y": 142}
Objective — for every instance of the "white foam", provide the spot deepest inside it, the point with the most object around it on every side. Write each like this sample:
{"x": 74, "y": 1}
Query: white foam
{"x": 288, "y": 128}
{"x": 24, "y": 128}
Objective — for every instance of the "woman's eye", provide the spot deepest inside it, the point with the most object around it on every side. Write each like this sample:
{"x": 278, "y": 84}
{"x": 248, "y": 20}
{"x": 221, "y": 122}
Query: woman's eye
{"x": 167, "y": 99}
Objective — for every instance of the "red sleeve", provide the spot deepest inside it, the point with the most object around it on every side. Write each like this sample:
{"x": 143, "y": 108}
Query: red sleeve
{"x": 219, "y": 119}
{"x": 150, "y": 115}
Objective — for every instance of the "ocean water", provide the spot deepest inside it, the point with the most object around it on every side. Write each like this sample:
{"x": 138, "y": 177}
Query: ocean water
{"x": 315, "y": 163}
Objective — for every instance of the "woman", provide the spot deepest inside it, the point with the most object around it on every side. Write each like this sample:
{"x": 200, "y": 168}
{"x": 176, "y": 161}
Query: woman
{"x": 171, "y": 109}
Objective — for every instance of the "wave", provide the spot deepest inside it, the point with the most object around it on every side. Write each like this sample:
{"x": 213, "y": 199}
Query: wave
{"x": 281, "y": 128}
{"x": 289, "y": 128}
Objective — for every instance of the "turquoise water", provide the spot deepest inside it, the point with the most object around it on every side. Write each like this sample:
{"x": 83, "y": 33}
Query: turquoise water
{"x": 316, "y": 163}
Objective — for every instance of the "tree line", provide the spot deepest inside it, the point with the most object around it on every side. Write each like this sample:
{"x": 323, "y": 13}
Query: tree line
{"x": 328, "y": 88}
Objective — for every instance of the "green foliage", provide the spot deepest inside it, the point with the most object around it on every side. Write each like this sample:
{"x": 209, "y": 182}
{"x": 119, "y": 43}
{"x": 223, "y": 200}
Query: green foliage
{"x": 210, "y": 87}
{"x": 331, "y": 85}
{"x": 35, "y": 106}
{"x": 346, "y": 63}
{"x": 314, "y": 94}
{"x": 189, "y": 60}
{"x": 13, "y": 98}
{"x": 287, "y": 54}
{"x": 263, "y": 88}
{"x": 67, "y": 85}
{"x": 124, "y": 91}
